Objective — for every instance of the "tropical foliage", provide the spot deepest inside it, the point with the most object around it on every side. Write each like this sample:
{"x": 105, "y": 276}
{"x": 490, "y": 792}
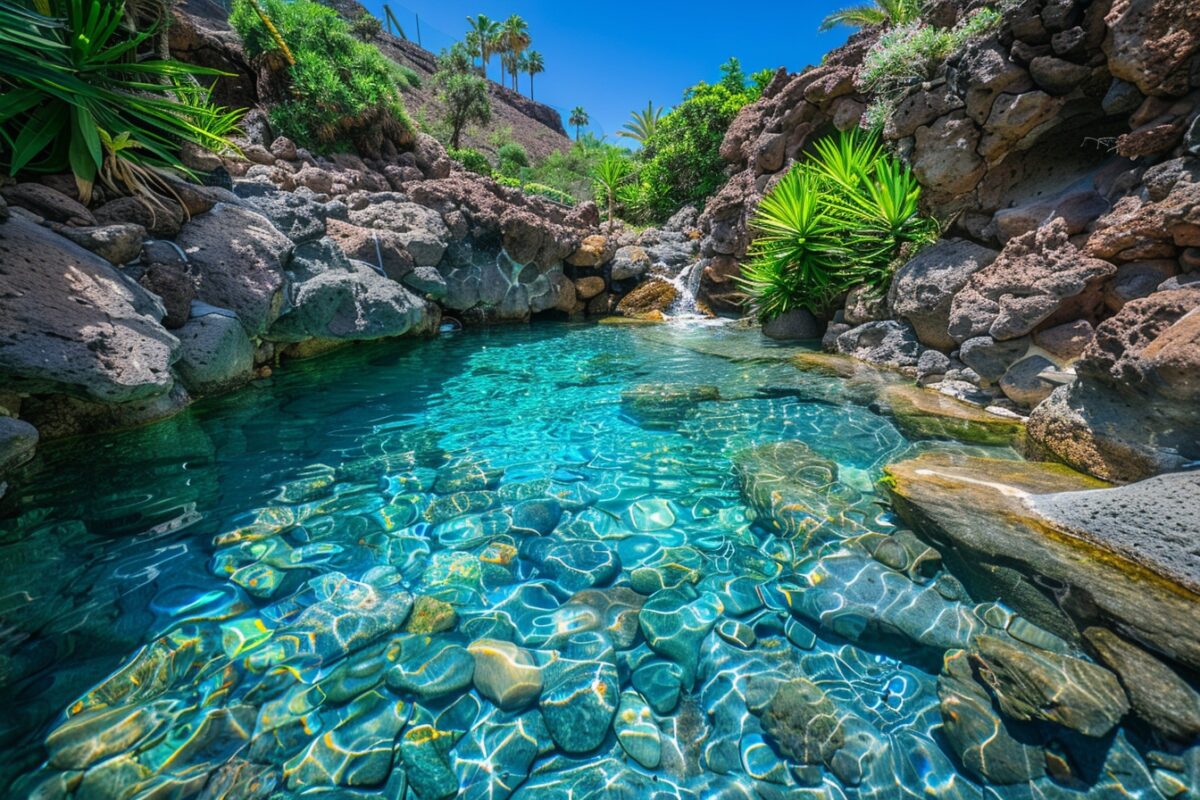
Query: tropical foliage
{"x": 570, "y": 172}
{"x": 911, "y": 53}
{"x": 578, "y": 120}
{"x": 471, "y": 160}
{"x": 462, "y": 92}
{"x": 533, "y": 64}
{"x": 343, "y": 92}
{"x": 510, "y": 40}
{"x": 511, "y": 158}
{"x": 886, "y": 12}
{"x": 837, "y": 220}
{"x": 643, "y": 123}
{"x": 80, "y": 93}
{"x": 609, "y": 177}
{"x": 680, "y": 161}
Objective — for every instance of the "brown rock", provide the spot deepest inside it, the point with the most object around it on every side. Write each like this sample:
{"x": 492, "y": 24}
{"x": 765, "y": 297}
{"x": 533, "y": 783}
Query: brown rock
{"x": 1150, "y": 43}
{"x": 944, "y": 156}
{"x": 651, "y": 296}
{"x": 592, "y": 252}
{"x": 1149, "y": 140}
{"x": 1038, "y": 277}
{"x": 1015, "y": 120}
{"x": 119, "y": 244}
{"x": 371, "y": 246}
{"x": 1158, "y": 695}
{"x": 1056, "y": 76}
{"x": 1065, "y": 342}
{"x": 587, "y": 288}
{"x": 176, "y": 290}
{"x": 46, "y": 202}
{"x": 160, "y": 219}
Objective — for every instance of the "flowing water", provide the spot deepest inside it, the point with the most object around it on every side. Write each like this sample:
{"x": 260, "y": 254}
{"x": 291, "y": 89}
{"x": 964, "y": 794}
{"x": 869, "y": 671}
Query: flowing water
{"x": 283, "y": 592}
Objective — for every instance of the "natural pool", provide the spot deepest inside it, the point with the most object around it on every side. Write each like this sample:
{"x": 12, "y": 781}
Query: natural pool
{"x": 556, "y": 561}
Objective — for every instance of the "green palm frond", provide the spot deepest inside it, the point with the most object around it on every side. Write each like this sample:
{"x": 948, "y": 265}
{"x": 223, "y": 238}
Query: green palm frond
{"x": 890, "y": 12}
{"x": 643, "y": 123}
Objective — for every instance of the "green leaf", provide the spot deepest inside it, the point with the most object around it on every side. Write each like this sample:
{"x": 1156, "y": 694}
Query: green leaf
{"x": 42, "y": 127}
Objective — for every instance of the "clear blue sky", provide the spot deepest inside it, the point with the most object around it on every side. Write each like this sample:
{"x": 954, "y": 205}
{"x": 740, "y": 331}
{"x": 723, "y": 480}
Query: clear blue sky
{"x": 611, "y": 57}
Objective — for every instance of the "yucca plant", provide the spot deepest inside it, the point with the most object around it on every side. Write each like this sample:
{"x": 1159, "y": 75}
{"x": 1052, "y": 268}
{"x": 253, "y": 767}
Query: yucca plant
{"x": 70, "y": 79}
{"x": 609, "y": 176}
{"x": 836, "y": 221}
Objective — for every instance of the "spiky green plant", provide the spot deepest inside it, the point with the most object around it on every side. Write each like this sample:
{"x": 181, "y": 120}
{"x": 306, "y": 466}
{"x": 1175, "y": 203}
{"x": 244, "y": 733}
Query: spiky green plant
{"x": 836, "y": 221}
{"x": 608, "y": 176}
{"x": 642, "y": 124}
{"x": 68, "y": 79}
{"x": 887, "y": 12}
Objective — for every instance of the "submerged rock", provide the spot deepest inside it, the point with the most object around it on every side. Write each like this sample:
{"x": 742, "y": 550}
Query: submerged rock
{"x": 675, "y": 624}
{"x": 1158, "y": 695}
{"x": 666, "y": 403}
{"x": 788, "y": 485}
{"x": 926, "y": 414}
{"x": 979, "y": 736}
{"x": 505, "y": 673}
{"x": 804, "y": 722}
{"x": 579, "y": 702}
{"x": 1037, "y": 684}
{"x": 986, "y": 517}
{"x": 636, "y": 730}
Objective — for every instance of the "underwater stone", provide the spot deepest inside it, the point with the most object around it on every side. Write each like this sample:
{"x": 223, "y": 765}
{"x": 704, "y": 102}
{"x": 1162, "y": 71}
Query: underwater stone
{"x": 788, "y": 486}
{"x": 637, "y": 731}
{"x": 495, "y": 755}
{"x": 573, "y": 564}
{"x": 430, "y": 615}
{"x": 539, "y": 516}
{"x": 675, "y": 625}
{"x": 667, "y": 568}
{"x": 738, "y": 594}
{"x": 663, "y": 404}
{"x": 423, "y": 749}
{"x": 429, "y": 667}
{"x": 579, "y": 702}
{"x": 660, "y": 682}
{"x": 357, "y": 751}
{"x": 979, "y": 736}
{"x": 805, "y": 723}
{"x": 927, "y": 414}
{"x": 1037, "y": 684}
{"x": 737, "y": 633}
{"x": 1158, "y": 695}
{"x": 618, "y": 608}
{"x": 505, "y": 673}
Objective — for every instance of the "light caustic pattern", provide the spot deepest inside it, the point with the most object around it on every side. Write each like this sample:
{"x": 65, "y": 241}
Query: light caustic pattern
{"x": 542, "y": 562}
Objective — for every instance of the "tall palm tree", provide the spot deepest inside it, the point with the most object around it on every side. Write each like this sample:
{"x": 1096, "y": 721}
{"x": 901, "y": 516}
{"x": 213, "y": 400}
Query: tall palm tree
{"x": 641, "y": 126}
{"x": 888, "y": 12}
{"x": 482, "y": 38}
{"x": 516, "y": 40}
{"x": 534, "y": 65}
{"x": 579, "y": 118}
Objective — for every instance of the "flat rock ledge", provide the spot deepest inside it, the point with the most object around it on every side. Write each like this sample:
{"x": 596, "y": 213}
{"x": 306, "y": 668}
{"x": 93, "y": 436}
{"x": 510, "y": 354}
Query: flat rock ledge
{"x": 1062, "y": 548}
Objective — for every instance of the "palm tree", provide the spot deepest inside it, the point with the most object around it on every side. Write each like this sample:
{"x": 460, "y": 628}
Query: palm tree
{"x": 642, "y": 126}
{"x": 482, "y": 38}
{"x": 516, "y": 39}
{"x": 534, "y": 65}
{"x": 608, "y": 176}
{"x": 888, "y": 12}
{"x": 579, "y": 118}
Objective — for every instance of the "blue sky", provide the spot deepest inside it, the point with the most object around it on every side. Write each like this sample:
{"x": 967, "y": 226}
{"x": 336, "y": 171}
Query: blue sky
{"x": 611, "y": 57}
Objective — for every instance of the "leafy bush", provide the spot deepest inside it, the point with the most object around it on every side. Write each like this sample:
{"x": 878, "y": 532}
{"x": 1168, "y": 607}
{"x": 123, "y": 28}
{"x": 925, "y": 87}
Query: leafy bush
{"x": 366, "y": 26}
{"x": 911, "y": 53}
{"x": 462, "y": 92}
{"x": 548, "y": 192}
{"x": 75, "y": 95}
{"x": 835, "y": 221}
{"x": 681, "y": 161}
{"x": 472, "y": 160}
{"x": 570, "y": 172}
{"x": 345, "y": 93}
{"x": 511, "y": 158}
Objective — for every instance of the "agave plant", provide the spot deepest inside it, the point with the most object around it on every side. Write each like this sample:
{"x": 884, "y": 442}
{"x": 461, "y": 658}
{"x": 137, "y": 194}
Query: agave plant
{"x": 836, "y": 221}
{"x": 68, "y": 80}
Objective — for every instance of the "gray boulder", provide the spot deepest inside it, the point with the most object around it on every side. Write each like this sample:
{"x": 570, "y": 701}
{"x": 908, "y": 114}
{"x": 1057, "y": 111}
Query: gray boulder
{"x": 119, "y": 244}
{"x": 215, "y": 354}
{"x": 630, "y": 261}
{"x": 923, "y": 290}
{"x": 299, "y": 215}
{"x": 991, "y": 359}
{"x": 889, "y": 343}
{"x": 421, "y": 230}
{"x": 72, "y": 324}
{"x": 333, "y": 298}
{"x": 238, "y": 258}
{"x": 1023, "y": 384}
{"x": 799, "y": 323}
{"x": 18, "y": 440}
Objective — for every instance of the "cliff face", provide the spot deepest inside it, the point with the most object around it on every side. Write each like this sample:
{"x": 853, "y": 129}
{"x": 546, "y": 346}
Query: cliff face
{"x": 1061, "y": 155}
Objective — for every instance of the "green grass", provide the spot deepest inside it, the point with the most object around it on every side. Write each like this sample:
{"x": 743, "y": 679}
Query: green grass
{"x": 344, "y": 93}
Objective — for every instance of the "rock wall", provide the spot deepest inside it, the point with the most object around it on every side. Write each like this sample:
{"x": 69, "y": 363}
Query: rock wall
{"x": 1062, "y": 155}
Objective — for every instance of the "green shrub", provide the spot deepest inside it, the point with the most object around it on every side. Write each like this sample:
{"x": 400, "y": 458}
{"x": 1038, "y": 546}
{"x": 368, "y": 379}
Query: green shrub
{"x": 911, "y": 53}
{"x": 681, "y": 161}
{"x": 548, "y": 192}
{"x": 472, "y": 160}
{"x": 345, "y": 92}
{"x": 75, "y": 95}
{"x": 462, "y": 92}
{"x": 835, "y": 221}
{"x": 511, "y": 158}
{"x": 366, "y": 26}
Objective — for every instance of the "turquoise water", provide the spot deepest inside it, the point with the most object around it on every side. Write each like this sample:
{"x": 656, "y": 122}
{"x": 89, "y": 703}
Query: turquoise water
{"x": 222, "y": 605}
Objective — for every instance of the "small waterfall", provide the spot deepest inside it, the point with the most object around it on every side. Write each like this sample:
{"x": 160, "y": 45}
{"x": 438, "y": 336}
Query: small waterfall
{"x": 687, "y": 284}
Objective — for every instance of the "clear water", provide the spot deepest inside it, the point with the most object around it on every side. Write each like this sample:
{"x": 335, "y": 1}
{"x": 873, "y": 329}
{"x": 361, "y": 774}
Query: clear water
{"x": 216, "y": 605}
